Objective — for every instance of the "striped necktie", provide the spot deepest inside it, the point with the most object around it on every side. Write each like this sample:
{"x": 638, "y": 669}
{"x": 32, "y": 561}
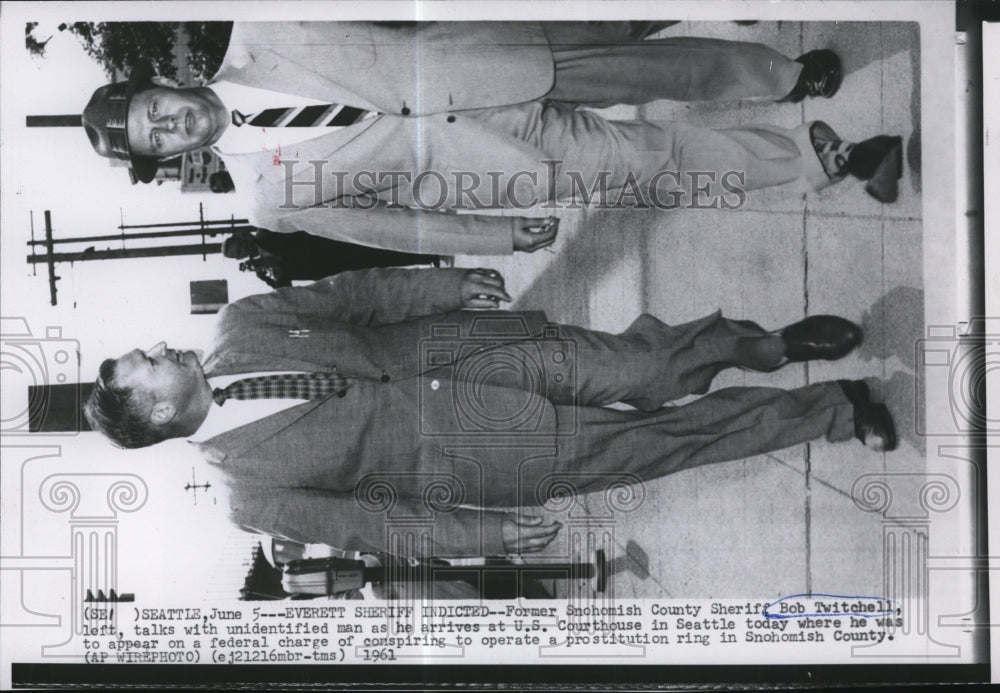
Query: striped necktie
{"x": 322, "y": 115}
{"x": 283, "y": 386}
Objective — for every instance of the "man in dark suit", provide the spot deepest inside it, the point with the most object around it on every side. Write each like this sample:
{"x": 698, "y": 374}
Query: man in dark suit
{"x": 333, "y": 128}
{"x": 431, "y": 412}
{"x": 281, "y": 258}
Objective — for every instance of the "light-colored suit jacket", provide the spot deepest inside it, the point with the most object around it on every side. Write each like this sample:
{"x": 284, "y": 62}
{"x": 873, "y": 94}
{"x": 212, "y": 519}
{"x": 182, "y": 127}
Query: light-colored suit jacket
{"x": 431, "y": 70}
{"x": 407, "y": 444}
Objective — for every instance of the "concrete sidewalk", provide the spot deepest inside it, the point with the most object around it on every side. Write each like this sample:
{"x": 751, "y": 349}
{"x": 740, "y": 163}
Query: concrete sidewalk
{"x": 782, "y": 523}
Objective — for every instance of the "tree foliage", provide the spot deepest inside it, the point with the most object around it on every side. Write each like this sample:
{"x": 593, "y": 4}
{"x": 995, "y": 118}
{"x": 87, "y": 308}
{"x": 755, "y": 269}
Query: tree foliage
{"x": 118, "y": 46}
{"x": 207, "y": 43}
{"x": 35, "y": 47}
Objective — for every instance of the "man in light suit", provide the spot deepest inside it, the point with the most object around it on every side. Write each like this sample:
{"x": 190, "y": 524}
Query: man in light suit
{"x": 357, "y": 130}
{"x": 444, "y": 416}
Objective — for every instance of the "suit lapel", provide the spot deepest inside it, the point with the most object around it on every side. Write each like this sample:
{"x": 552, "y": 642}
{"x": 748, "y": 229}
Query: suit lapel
{"x": 322, "y": 148}
{"x": 287, "y": 72}
{"x": 249, "y": 341}
{"x": 254, "y": 434}
{"x": 236, "y": 362}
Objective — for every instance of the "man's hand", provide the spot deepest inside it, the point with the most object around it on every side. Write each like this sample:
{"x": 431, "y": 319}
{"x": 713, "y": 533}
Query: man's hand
{"x": 526, "y": 533}
{"x": 483, "y": 288}
{"x": 535, "y": 233}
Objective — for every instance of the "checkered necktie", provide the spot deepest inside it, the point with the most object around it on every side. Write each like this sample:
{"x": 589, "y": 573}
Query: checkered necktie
{"x": 284, "y": 386}
{"x": 323, "y": 115}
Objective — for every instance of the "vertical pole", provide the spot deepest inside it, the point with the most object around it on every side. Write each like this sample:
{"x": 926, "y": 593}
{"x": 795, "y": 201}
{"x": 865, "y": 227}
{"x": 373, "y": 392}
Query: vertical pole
{"x": 201, "y": 226}
{"x": 49, "y": 255}
{"x": 31, "y": 213}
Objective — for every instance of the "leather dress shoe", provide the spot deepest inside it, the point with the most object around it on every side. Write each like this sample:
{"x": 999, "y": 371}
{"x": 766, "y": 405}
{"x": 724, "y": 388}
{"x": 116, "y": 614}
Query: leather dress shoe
{"x": 826, "y": 337}
{"x": 822, "y": 75}
{"x": 873, "y": 424}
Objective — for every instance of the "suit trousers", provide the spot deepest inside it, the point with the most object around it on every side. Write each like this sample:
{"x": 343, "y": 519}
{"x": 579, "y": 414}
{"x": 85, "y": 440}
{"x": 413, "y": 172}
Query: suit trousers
{"x": 649, "y": 364}
{"x": 662, "y": 162}
{"x": 605, "y": 63}
{"x": 600, "y": 64}
{"x": 652, "y": 363}
{"x": 613, "y": 447}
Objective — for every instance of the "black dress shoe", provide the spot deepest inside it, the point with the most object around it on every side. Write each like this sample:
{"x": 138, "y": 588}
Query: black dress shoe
{"x": 873, "y": 424}
{"x": 826, "y": 337}
{"x": 821, "y": 75}
{"x": 879, "y": 161}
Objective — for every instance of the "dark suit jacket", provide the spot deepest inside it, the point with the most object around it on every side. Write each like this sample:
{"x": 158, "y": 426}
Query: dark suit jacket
{"x": 393, "y": 459}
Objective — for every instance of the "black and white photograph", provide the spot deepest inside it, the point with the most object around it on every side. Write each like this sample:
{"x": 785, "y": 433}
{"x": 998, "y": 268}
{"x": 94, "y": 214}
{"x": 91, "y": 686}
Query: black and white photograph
{"x": 600, "y": 343}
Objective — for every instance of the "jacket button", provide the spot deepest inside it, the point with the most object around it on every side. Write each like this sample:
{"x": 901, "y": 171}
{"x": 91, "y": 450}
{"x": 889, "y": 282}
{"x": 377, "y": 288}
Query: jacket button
{"x": 405, "y": 111}
{"x": 385, "y": 377}
{"x": 342, "y": 393}
{"x": 451, "y": 119}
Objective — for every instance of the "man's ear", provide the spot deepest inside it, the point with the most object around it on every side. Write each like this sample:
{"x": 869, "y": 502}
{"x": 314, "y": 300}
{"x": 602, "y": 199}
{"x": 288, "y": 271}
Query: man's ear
{"x": 165, "y": 82}
{"x": 162, "y": 413}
